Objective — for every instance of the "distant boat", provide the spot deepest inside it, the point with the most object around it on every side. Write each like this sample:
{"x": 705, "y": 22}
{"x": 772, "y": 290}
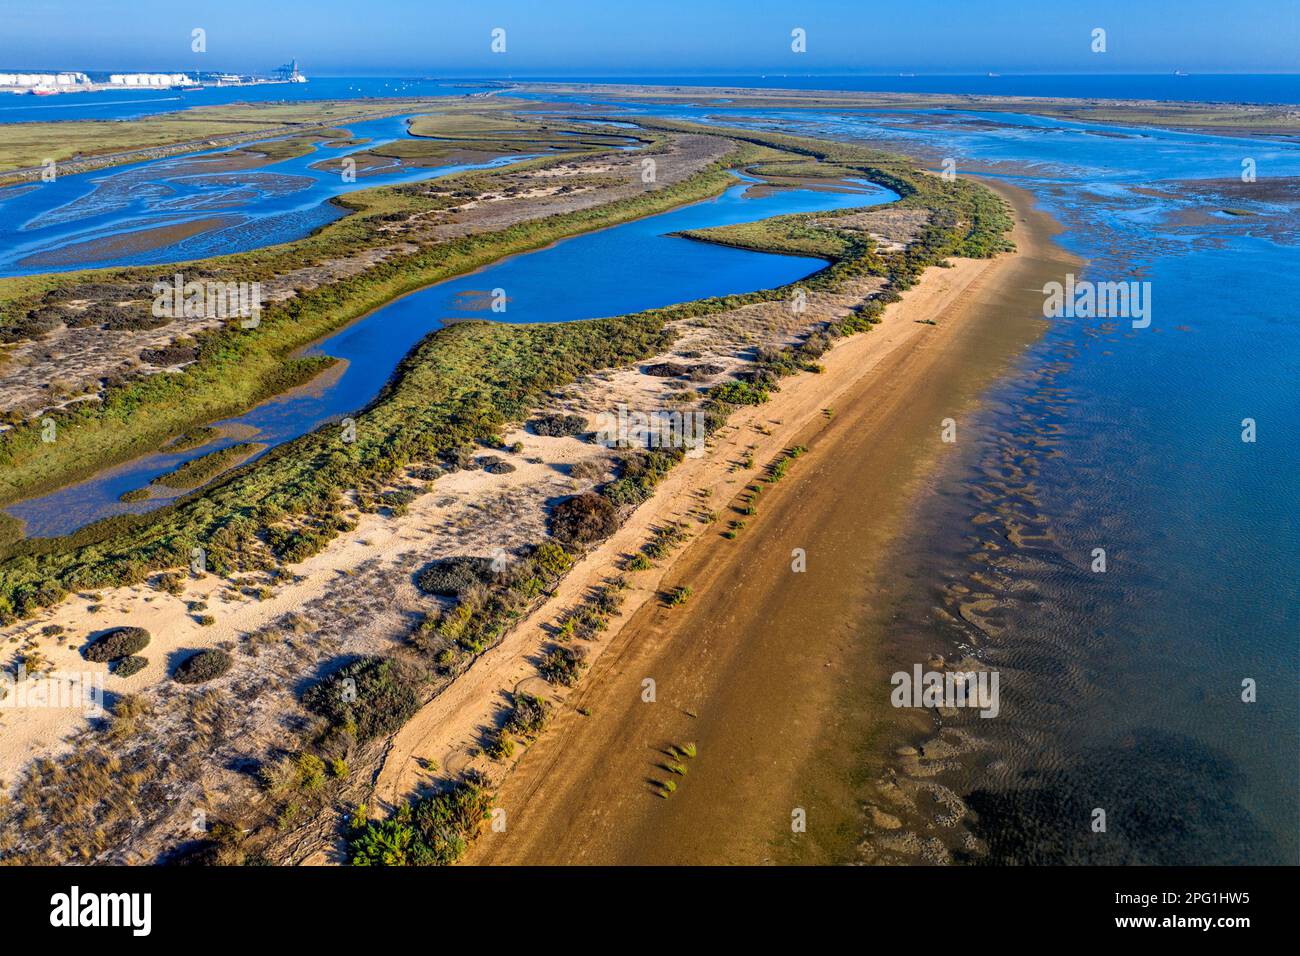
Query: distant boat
{"x": 43, "y": 91}
{"x": 995, "y": 74}
{"x": 1181, "y": 73}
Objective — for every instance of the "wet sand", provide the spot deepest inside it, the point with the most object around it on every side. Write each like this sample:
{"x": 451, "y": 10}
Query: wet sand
{"x": 765, "y": 669}
{"x": 128, "y": 243}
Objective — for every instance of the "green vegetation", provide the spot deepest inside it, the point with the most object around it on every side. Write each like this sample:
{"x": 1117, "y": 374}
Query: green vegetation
{"x": 563, "y": 665}
{"x": 202, "y": 667}
{"x": 528, "y": 717}
{"x": 451, "y": 577}
{"x": 583, "y": 519}
{"x": 201, "y": 470}
{"x": 781, "y": 464}
{"x": 666, "y": 539}
{"x": 117, "y": 643}
{"x": 482, "y": 613}
{"x": 431, "y": 831}
{"x": 559, "y": 425}
{"x": 368, "y": 698}
{"x": 128, "y": 666}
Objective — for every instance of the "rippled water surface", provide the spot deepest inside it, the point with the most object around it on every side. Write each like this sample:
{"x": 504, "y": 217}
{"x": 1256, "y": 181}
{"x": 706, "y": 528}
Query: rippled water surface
{"x": 122, "y": 215}
{"x": 1121, "y": 690}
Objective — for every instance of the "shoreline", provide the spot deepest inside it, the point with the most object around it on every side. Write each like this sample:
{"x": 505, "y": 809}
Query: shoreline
{"x": 762, "y": 666}
{"x": 285, "y": 337}
{"x": 256, "y": 619}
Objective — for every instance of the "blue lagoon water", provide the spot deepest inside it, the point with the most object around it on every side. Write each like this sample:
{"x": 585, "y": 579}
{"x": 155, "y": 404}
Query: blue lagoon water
{"x": 49, "y": 227}
{"x": 623, "y": 269}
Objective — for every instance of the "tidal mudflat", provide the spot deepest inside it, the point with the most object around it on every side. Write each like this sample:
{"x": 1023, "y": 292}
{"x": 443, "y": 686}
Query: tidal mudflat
{"x": 905, "y": 465}
{"x": 192, "y": 207}
{"x": 1124, "y": 686}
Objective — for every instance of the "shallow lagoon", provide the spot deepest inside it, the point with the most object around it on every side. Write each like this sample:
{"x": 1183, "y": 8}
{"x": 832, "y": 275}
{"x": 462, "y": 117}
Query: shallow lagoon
{"x": 273, "y": 203}
{"x": 626, "y": 268}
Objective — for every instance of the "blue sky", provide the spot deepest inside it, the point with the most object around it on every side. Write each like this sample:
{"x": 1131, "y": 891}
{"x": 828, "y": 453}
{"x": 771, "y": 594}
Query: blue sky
{"x": 437, "y": 37}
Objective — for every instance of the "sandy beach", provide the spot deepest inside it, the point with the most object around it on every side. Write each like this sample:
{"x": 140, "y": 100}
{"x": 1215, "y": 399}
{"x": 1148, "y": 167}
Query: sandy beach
{"x": 760, "y": 656}
{"x": 762, "y": 670}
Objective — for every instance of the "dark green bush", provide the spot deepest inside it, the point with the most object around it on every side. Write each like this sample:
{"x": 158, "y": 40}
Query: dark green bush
{"x": 583, "y": 519}
{"x": 127, "y": 666}
{"x": 433, "y": 831}
{"x": 528, "y": 717}
{"x": 665, "y": 369}
{"x": 558, "y": 426}
{"x": 563, "y": 665}
{"x": 119, "y": 642}
{"x": 203, "y": 666}
{"x": 450, "y": 577}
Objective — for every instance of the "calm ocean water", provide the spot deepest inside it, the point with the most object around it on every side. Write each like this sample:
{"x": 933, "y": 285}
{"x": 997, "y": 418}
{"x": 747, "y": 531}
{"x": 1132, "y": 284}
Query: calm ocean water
{"x": 1221, "y": 88}
{"x": 1122, "y": 690}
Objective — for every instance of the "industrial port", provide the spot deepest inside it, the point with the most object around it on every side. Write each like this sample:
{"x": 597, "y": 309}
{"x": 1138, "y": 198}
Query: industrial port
{"x": 74, "y": 81}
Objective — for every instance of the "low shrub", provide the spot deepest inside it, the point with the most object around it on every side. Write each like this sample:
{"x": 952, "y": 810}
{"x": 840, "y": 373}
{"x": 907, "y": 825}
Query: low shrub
{"x": 451, "y": 577}
{"x": 201, "y": 667}
{"x": 563, "y": 665}
{"x": 665, "y": 369}
{"x": 169, "y": 355}
{"x": 589, "y": 469}
{"x": 558, "y": 426}
{"x": 432, "y": 831}
{"x": 368, "y": 698}
{"x": 528, "y": 717}
{"x": 583, "y": 519}
{"x": 127, "y": 666}
{"x": 119, "y": 642}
